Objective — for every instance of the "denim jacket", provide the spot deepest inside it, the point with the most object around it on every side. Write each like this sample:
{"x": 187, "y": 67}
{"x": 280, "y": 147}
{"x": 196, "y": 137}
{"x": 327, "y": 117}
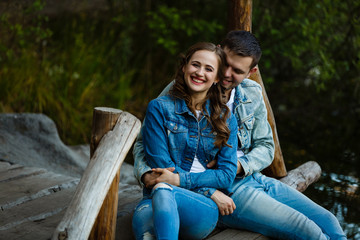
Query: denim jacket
{"x": 254, "y": 132}
{"x": 172, "y": 136}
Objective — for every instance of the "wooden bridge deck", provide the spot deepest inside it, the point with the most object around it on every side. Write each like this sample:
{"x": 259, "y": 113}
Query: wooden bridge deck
{"x": 33, "y": 201}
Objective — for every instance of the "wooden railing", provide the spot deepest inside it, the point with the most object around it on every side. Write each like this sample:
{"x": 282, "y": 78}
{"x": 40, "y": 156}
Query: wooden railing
{"x": 95, "y": 198}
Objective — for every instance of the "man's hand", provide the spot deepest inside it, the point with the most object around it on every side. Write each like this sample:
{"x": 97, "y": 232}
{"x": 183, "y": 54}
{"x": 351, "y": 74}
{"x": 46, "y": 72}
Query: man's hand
{"x": 212, "y": 164}
{"x": 167, "y": 175}
{"x": 225, "y": 204}
{"x": 149, "y": 178}
{"x": 239, "y": 168}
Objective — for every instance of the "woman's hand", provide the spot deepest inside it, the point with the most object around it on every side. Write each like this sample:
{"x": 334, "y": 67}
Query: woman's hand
{"x": 165, "y": 175}
{"x": 225, "y": 204}
{"x": 149, "y": 178}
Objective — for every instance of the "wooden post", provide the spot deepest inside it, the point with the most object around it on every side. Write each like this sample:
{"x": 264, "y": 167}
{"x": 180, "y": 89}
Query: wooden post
{"x": 100, "y": 178}
{"x": 240, "y": 15}
{"x": 104, "y": 120}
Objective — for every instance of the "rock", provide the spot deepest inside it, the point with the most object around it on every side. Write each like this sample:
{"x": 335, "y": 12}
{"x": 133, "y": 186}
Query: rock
{"x": 32, "y": 140}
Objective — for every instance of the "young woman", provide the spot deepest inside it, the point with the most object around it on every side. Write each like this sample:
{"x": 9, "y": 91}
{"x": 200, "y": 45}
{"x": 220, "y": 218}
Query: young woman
{"x": 184, "y": 131}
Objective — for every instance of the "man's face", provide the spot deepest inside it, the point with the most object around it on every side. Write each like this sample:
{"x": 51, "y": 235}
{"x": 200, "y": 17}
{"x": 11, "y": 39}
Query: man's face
{"x": 237, "y": 70}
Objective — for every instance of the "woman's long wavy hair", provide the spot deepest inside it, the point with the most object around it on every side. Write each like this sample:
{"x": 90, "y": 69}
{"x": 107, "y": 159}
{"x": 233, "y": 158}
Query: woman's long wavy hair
{"x": 219, "y": 111}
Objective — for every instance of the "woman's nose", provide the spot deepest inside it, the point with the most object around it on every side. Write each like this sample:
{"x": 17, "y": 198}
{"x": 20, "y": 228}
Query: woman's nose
{"x": 200, "y": 72}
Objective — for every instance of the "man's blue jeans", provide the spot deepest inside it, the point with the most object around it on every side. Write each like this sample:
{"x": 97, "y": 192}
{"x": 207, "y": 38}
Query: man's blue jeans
{"x": 173, "y": 212}
{"x": 270, "y": 207}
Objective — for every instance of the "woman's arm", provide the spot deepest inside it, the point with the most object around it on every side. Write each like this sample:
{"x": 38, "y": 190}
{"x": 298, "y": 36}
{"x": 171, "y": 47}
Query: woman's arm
{"x": 155, "y": 137}
{"x": 224, "y": 174}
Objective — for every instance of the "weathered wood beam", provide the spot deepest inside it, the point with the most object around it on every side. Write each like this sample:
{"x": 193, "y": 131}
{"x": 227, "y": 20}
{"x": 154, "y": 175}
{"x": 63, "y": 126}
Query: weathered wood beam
{"x": 240, "y": 15}
{"x": 104, "y": 227}
{"x": 304, "y": 175}
{"x": 97, "y": 179}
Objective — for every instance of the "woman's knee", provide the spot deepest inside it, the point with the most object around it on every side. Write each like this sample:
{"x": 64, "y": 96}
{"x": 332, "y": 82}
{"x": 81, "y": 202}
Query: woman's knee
{"x": 162, "y": 186}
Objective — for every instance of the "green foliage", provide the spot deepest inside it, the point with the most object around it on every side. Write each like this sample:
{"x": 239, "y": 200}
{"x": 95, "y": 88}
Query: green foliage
{"x": 122, "y": 55}
{"x": 170, "y": 25}
{"x": 63, "y": 74}
{"x": 317, "y": 43}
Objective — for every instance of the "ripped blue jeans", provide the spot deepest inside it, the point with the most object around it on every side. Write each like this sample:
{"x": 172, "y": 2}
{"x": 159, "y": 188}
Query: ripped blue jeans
{"x": 173, "y": 212}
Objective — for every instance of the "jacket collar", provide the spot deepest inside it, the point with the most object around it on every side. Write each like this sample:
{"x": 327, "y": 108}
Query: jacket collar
{"x": 181, "y": 107}
{"x": 240, "y": 95}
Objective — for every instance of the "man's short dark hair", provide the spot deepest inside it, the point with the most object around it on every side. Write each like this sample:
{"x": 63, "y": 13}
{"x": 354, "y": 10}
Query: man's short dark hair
{"x": 243, "y": 43}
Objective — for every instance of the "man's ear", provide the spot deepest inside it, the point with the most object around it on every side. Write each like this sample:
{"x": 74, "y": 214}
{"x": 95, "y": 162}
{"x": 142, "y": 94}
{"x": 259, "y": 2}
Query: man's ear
{"x": 253, "y": 70}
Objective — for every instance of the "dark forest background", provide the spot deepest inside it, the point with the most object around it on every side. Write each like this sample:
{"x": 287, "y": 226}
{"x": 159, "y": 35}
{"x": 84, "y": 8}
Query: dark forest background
{"x": 63, "y": 58}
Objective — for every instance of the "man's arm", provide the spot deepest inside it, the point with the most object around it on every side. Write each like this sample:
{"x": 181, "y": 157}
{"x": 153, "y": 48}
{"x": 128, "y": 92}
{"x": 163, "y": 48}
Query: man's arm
{"x": 142, "y": 171}
{"x": 261, "y": 151}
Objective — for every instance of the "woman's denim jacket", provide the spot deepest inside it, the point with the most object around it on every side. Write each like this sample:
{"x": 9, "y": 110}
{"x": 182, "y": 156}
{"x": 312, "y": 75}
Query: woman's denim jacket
{"x": 254, "y": 132}
{"x": 172, "y": 135}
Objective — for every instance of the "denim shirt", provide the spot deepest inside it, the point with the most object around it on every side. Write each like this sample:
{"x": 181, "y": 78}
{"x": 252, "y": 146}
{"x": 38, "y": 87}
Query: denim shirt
{"x": 172, "y": 136}
{"x": 254, "y": 132}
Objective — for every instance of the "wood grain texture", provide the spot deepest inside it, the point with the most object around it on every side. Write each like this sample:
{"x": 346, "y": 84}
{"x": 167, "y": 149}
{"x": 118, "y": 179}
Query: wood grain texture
{"x": 97, "y": 179}
{"x": 301, "y": 177}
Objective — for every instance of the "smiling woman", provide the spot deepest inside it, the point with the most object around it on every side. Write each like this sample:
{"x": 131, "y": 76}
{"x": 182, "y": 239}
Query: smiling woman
{"x": 183, "y": 131}
{"x": 200, "y": 74}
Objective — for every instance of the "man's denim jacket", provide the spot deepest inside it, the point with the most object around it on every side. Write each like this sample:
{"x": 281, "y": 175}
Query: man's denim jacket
{"x": 254, "y": 132}
{"x": 172, "y": 135}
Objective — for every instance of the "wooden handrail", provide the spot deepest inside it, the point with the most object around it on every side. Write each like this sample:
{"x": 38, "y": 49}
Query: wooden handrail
{"x": 97, "y": 179}
{"x": 240, "y": 14}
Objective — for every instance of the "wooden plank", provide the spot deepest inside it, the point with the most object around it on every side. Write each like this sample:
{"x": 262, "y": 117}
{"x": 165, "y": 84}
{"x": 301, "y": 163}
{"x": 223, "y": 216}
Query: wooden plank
{"x": 5, "y": 166}
{"x": 97, "y": 178}
{"x": 36, "y": 229}
{"x": 304, "y": 175}
{"x": 37, "y": 209}
{"x": 235, "y": 234}
{"x": 32, "y": 201}
{"x": 20, "y": 190}
{"x": 19, "y": 172}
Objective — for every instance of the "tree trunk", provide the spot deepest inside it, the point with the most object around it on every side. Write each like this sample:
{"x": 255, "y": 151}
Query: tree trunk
{"x": 240, "y": 15}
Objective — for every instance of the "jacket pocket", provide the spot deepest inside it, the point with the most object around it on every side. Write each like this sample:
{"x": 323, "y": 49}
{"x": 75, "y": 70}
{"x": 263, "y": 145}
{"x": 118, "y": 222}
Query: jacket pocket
{"x": 177, "y": 135}
{"x": 244, "y": 132}
{"x": 208, "y": 140}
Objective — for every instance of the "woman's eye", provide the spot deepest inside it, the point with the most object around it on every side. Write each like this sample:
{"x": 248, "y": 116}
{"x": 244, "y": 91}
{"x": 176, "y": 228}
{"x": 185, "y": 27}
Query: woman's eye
{"x": 195, "y": 64}
{"x": 209, "y": 69}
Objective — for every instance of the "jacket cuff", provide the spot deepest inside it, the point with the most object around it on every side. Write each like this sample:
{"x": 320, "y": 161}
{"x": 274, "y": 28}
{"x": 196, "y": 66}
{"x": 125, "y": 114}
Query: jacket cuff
{"x": 141, "y": 172}
{"x": 245, "y": 167}
{"x": 185, "y": 180}
{"x": 207, "y": 192}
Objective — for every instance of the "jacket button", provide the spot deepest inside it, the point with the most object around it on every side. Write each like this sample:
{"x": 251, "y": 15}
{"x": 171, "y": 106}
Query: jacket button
{"x": 176, "y": 127}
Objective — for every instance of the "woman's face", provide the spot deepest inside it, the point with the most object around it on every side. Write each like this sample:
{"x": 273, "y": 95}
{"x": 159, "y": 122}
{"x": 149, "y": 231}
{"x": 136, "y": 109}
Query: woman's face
{"x": 200, "y": 73}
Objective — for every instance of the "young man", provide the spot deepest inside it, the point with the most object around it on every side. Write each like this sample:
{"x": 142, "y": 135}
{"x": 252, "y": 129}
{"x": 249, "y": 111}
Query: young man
{"x": 258, "y": 203}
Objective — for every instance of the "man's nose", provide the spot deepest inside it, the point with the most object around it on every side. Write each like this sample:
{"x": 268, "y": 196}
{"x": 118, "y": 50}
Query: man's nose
{"x": 228, "y": 72}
